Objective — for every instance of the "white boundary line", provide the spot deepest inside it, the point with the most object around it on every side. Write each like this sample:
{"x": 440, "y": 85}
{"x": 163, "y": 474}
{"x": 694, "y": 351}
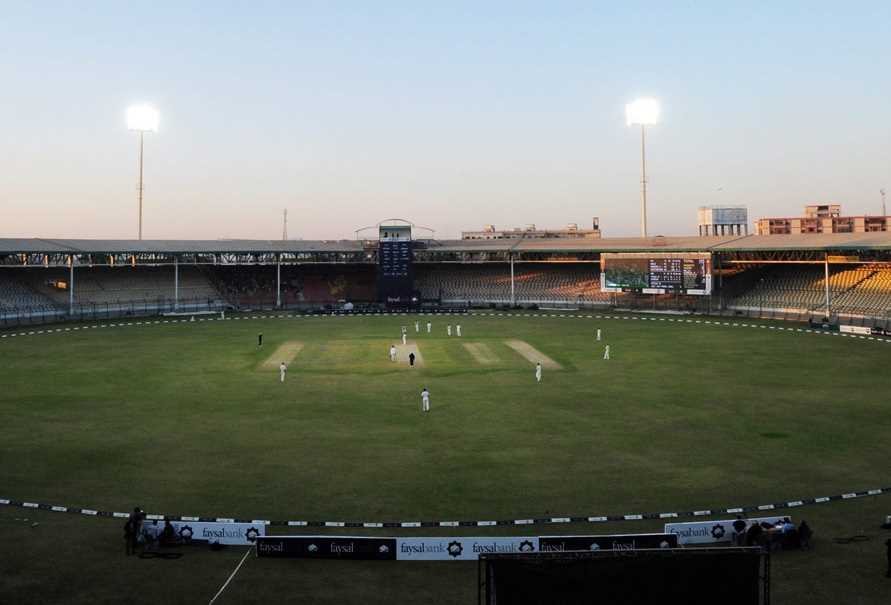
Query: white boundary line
{"x": 232, "y": 575}
{"x": 471, "y": 313}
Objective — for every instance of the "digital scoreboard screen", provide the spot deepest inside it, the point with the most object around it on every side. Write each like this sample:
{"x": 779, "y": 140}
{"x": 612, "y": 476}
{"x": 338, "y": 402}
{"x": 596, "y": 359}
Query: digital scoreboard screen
{"x": 656, "y": 273}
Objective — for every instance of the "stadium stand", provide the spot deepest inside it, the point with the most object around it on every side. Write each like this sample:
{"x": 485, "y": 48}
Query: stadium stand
{"x": 255, "y": 285}
{"x": 861, "y": 290}
{"x": 780, "y": 277}
{"x": 533, "y": 283}
{"x": 870, "y": 294}
{"x": 16, "y": 296}
{"x": 122, "y": 285}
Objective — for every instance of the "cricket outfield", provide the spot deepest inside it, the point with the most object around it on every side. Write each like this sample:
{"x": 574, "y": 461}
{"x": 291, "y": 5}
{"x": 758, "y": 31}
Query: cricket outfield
{"x": 190, "y": 418}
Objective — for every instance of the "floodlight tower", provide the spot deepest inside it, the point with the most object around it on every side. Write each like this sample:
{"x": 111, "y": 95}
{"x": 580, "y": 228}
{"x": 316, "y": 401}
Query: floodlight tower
{"x": 142, "y": 119}
{"x": 642, "y": 112}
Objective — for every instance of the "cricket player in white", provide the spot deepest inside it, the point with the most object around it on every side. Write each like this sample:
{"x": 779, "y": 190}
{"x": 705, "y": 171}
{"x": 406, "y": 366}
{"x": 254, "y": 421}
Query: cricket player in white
{"x": 425, "y": 400}
{"x": 404, "y": 338}
{"x": 417, "y": 327}
{"x": 458, "y": 329}
{"x": 449, "y": 329}
{"x": 606, "y": 352}
{"x": 429, "y": 327}
{"x": 598, "y": 334}
{"x": 538, "y": 372}
{"x": 281, "y": 371}
{"x": 392, "y": 352}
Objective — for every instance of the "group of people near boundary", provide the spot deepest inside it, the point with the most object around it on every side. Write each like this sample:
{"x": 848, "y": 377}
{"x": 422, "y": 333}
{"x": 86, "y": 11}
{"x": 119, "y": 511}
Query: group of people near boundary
{"x": 140, "y": 533}
{"x": 780, "y": 535}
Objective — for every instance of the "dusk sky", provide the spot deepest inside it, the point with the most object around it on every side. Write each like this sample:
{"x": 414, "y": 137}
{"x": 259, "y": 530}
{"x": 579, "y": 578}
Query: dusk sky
{"x": 451, "y": 115}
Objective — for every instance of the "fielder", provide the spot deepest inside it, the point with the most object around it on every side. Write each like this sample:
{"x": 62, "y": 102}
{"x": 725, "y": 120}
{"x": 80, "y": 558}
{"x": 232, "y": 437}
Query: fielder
{"x": 429, "y": 327}
{"x": 458, "y": 329}
{"x": 606, "y": 352}
{"x": 449, "y": 329}
{"x": 260, "y": 339}
{"x": 425, "y": 400}
{"x": 598, "y": 334}
{"x": 404, "y": 339}
{"x": 538, "y": 372}
{"x": 417, "y": 327}
{"x": 281, "y": 371}
{"x": 392, "y": 352}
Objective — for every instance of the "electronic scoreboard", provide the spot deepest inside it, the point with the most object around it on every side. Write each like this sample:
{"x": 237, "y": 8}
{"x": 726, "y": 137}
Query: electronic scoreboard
{"x": 395, "y": 274}
{"x": 656, "y": 273}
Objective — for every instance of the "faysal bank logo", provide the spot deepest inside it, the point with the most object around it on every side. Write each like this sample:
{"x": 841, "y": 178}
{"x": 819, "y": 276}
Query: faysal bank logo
{"x": 718, "y": 532}
{"x": 185, "y": 532}
{"x": 455, "y": 549}
{"x": 251, "y": 534}
{"x": 526, "y": 546}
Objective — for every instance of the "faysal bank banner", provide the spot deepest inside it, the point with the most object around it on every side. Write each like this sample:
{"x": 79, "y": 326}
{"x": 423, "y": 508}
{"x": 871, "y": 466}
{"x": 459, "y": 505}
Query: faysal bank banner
{"x": 617, "y": 542}
{"x": 447, "y": 548}
{"x": 326, "y": 547}
{"x": 224, "y": 533}
{"x": 711, "y": 532}
{"x": 460, "y": 548}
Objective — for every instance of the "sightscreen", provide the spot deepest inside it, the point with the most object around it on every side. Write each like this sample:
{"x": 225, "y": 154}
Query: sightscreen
{"x": 687, "y": 273}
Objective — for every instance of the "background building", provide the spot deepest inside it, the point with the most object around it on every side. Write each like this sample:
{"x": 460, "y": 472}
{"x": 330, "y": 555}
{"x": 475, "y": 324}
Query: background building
{"x": 822, "y": 218}
{"x": 530, "y": 232}
{"x": 723, "y": 220}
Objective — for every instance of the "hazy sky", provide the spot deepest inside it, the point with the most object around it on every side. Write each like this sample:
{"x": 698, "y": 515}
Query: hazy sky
{"x": 451, "y": 115}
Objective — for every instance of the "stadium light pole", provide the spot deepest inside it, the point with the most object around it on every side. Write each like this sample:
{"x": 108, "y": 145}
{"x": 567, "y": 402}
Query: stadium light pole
{"x": 643, "y": 113}
{"x": 141, "y": 119}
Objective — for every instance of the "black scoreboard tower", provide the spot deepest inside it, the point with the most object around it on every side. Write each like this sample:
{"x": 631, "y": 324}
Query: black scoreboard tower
{"x": 395, "y": 271}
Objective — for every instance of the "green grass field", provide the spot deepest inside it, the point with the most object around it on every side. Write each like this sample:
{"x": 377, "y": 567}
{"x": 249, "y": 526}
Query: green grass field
{"x": 188, "y": 419}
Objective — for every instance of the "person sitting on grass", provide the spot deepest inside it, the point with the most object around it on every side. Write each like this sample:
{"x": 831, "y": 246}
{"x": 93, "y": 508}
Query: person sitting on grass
{"x": 150, "y": 534}
{"x": 739, "y": 531}
{"x": 168, "y": 536}
{"x": 753, "y": 535}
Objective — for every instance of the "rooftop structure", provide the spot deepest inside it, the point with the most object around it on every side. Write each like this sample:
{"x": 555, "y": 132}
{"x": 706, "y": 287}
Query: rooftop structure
{"x": 723, "y": 220}
{"x": 571, "y": 231}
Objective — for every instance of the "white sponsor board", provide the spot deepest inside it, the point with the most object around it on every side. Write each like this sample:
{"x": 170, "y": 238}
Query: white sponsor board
{"x": 855, "y": 330}
{"x": 460, "y": 548}
{"x": 224, "y": 533}
{"x": 710, "y": 532}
